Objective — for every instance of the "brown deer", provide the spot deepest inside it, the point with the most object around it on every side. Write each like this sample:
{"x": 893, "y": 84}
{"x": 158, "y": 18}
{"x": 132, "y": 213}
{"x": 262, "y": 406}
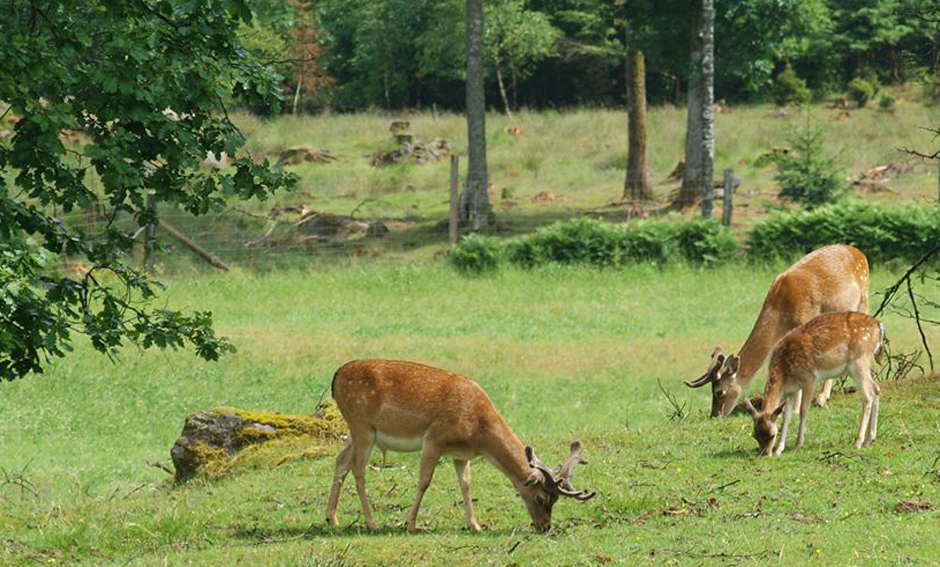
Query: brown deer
{"x": 405, "y": 406}
{"x": 829, "y": 279}
{"x": 826, "y": 346}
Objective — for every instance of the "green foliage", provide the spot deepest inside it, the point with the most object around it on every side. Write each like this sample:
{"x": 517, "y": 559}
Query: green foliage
{"x": 476, "y": 253}
{"x": 588, "y": 241}
{"x": 860, "y": 91}
{"x": 882, "y": 233}
{"x": 806, "y": 174}
{"x": 108, "y": 72}
{"x": 517, "y": 38}
{"x": 790, "y": 88}
{"x": 886, "y": 102}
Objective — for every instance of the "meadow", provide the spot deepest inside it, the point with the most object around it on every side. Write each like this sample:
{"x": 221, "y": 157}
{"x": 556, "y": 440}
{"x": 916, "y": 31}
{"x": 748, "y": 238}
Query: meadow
{"x": 565, "y": 352}
{"x": 563, "y": 163}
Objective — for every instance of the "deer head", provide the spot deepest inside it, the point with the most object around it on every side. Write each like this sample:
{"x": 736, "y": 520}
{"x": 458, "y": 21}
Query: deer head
{"x": 721, "y": 374}
{"x": 545, "y": 486}
{"x": 765, "y": 426}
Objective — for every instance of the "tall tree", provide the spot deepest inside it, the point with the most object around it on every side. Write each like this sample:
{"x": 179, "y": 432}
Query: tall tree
{"x": 690, "y": 190}
{"x": 90, "y": 84}
{"x": 708, "y": 106}
{"x": 637, "y": 184}
{"x": 474, "y": 201}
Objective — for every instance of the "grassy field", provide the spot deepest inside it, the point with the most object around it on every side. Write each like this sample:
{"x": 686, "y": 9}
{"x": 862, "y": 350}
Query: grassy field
{"x": 564, "y": 353}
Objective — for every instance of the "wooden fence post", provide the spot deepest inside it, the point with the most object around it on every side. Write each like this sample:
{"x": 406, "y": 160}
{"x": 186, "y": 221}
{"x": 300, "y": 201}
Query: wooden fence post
{"x": 726, "y": 203}
{"x": 454, "y": 165}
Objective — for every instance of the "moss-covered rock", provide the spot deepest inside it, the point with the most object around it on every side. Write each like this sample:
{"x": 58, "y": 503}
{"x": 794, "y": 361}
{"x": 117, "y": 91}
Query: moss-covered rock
{"x": 211, "y": 440}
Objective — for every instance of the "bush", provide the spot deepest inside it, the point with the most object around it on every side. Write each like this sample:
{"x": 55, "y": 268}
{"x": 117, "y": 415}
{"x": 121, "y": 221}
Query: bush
{"x": 705, "y": 242}
{"x": 477, "y": 254}
{"x": 861, "y": 91}
{"x": 589, "y": 241}
{"x": 886, "y": 102}
{"x": 581, "y": 240}
{"x": 882, "y": 233}
{"x": 790, "y": 88}
{"x": 806, "y": 174}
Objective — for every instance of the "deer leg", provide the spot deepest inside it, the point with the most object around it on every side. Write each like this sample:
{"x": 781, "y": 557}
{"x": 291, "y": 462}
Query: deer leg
{"x": 343, "y": 463}
{"x": 873, "y": 423}
{"x": 429, "y": 457}
{"x": 360, "y": 458}
{"x": 787, "y": 413}
{"x": 826, "y": 393}
{"x": 866, "y": 386}
{"x": 804, "y": 411}
{"x": 463, "y": 477}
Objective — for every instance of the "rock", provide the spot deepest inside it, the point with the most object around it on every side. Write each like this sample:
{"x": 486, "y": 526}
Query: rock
{"x": 211, "y": 439}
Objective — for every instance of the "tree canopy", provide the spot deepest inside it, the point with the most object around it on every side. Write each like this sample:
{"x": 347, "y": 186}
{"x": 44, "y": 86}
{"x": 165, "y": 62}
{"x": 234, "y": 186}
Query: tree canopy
{"x": 395, "y": 54}
{"x": 132, "y": 96}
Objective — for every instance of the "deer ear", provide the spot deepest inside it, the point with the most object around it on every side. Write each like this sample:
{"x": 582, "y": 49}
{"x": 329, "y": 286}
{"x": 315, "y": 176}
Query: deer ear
{"x": 732, "y": 363}
{"x": 779, "y": 410}
{"x": 530, "y": 456}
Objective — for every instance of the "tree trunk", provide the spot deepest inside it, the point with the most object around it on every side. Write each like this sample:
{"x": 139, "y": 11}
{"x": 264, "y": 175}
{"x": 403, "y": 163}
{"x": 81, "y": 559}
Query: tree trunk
{"x": 637, "y": 185}
{"x": 692, "y": 178}
{"x": 300, "y": 81}
{"x": 502, "y": 90}
{"x": 708, "y": 107}
{"x": 474, "y": 201}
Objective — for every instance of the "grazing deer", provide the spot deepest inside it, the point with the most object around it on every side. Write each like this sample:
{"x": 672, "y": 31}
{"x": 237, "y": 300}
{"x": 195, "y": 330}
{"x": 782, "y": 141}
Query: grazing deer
{"x": 404, "y": 406}
{"x": 829, "y": 279}
{"x": 824, "y": 347}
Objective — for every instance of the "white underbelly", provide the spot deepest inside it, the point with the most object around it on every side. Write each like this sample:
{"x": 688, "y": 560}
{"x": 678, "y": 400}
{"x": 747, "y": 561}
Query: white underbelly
{"x": 399, "y": 444}
{"x": 826, "y": 373}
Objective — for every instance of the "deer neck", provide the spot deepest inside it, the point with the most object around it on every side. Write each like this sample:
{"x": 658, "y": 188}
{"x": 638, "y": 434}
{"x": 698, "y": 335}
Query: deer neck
{"x": 758, "y": 345}
{"x": 503, "y": 449}
{"x": 773, "y": 390}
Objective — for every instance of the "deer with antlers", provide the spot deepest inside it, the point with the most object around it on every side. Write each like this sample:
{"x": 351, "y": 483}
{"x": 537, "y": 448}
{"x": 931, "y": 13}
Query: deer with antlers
{"x": 830, "y": 279}
{"x": 405, "y": 406}
{"x": 826, "y": 346}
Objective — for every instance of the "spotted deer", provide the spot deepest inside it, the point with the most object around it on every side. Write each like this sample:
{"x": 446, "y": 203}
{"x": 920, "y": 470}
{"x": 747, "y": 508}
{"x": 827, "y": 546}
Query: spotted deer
{"x": 826, "y": 346}
{"x": 830, "y": 279}
{"x": 405, "y": 406}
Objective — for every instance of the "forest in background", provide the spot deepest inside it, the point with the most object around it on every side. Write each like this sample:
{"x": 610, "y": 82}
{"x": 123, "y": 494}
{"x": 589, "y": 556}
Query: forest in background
{"x": 395, "y": 54}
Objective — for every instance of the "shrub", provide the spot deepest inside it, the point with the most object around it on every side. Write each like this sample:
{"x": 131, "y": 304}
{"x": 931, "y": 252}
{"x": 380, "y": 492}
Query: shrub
{"x": 886, "y": 102}
{"x": 882, "y": 233}
{"x": 581, "y": 240}
{"x": 806, "y": 174}
{"x": 705, "y": 242}
{"x": 861, "y": 91}
{"x": 589, "y": 241}
{"x": 477, "y": 254}
{"x": 790, "y": 88}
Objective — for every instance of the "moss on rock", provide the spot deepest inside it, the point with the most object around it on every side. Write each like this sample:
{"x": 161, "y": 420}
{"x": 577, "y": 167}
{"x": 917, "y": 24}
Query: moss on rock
{"x": 211, "y": 441}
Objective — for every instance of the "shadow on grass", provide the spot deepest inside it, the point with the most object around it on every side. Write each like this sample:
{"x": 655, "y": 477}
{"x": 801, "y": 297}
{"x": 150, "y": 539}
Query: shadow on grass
{"x": 280, "y": 534}
{"x": 743, "y": 453}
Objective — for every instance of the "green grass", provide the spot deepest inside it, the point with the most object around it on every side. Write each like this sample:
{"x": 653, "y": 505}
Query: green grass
{"x": 564, "y": 353}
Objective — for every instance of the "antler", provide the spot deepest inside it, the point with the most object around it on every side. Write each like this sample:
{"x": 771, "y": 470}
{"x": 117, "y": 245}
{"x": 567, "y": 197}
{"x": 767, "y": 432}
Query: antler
{"x": 717, "y": 359}
{"x": 558, "y": 479}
